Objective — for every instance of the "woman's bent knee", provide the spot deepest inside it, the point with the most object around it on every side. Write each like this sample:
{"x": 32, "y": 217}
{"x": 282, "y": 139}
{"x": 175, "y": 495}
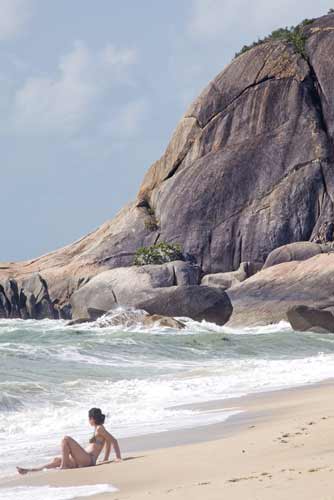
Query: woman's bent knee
{"x": 65, "y": 440}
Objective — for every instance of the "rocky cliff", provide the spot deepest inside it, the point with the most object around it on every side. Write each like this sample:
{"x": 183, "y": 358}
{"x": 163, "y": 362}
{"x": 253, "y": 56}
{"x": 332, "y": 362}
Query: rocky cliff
{"x": 249, "y": 168}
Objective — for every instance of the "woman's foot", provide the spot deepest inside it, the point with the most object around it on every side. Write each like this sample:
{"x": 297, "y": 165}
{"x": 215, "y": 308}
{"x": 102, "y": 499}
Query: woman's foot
{"x": 22, "y": 471}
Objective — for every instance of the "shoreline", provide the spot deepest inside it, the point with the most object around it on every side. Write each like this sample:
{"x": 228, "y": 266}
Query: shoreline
{"x": 245, "y": 410}
{"x": 173, "y": 462}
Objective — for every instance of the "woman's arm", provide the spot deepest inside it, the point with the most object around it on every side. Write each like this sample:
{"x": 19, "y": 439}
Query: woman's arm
{"x": 110, "y": 442}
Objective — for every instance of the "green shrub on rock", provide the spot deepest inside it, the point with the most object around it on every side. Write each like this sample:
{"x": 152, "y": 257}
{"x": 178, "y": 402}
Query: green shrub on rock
{"x": 293, "y": 35}
{"x": 158, "y": 254}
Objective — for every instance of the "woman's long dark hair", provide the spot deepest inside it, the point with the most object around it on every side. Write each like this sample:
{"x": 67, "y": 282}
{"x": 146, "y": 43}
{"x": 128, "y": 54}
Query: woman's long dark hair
{"x": 97, "y": 415}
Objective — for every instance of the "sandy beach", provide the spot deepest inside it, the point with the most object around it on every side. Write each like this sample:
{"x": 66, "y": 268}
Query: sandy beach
{"x": 280, "y": 447}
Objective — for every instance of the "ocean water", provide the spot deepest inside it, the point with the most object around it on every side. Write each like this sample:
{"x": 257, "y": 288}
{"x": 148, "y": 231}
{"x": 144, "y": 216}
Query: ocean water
{"x": 51, "y": 374}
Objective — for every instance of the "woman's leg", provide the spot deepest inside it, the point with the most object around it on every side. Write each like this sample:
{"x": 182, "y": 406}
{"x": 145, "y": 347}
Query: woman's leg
{"x": 56, "y": 462}
{"x": 73, "y": 455}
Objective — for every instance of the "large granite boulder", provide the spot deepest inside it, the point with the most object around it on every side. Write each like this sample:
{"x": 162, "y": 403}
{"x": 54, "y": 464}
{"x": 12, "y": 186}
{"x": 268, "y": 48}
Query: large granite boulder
{"x": 26, "y": 299}
{"x": 35, "y": 298}
{"x": 248, "y": 169}
{"x": 5, "y": 305}
{"x": 124, "y": 285}
{"x": 93, "y": 300}
{"x": 267, "y": 296}
{"x": 227, "y": 280}
{"x": 303, "y": 318}
{"x": 195, "y": 302}
{"x": 301, "y": 250}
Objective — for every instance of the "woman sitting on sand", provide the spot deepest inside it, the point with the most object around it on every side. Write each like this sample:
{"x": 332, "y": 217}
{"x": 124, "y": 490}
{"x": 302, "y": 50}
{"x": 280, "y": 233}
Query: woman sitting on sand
{"x": 73, "y": 455}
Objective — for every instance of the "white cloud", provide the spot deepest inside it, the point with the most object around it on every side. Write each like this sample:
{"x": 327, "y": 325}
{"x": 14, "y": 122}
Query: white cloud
{"x": 207, "y": 18}
{"x": 213, "y": 19}
{"x": 14, "y": 14}
{"x": 126, "y": 123}
{"x": 64, "y": 102}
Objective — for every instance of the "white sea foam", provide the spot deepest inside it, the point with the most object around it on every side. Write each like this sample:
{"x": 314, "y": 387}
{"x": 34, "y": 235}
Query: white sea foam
{"x": 131, "y": 320}
{"x": 53, "y": 493}
{"x": 51, "y": 374}
{"x": 140, "y": 406}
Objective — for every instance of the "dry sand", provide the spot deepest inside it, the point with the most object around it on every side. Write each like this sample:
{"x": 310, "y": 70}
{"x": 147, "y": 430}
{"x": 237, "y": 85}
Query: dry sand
{"x": 281, "y": 448}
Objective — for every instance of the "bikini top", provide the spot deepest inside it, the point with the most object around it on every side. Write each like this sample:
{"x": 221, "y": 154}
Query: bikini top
{"x": 96, "y": 440}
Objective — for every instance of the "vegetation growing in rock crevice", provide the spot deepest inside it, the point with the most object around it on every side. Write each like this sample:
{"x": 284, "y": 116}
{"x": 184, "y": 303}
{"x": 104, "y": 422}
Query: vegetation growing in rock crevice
{"x": 158, "y": 254}
{"x": 294, "y": 35}
{"x": 151, "y": 223}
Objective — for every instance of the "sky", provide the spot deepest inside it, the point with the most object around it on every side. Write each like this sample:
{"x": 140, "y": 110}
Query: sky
{"x": 90, "y": 92}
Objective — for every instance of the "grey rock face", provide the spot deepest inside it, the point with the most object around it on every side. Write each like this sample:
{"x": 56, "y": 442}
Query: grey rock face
{"x": 266, "y": 297}
{"x": 124, "y": 285}
{"x": 303, "y": 318}
{"x": 320, "y": 44}
{"x": 325, "y": 233}
{"x": 5, "y": 307}
{"x": 185, "y": 273}
{"x": 227, "y": 280}
{"x": 35, "y": 298}
{"x": 254, "y": 183}
{"x": 302, "y": 250}
{"x": 195, "y": 302}
{"x": 28, "y": 299}
{"x": 13, "y": 299}
{"x": 93, "y": 299}
{"x": 109, "y": 289}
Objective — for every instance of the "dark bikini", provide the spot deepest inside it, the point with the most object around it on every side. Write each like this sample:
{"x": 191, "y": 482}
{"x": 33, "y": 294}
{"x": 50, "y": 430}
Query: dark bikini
{"x": 97, "y": 441}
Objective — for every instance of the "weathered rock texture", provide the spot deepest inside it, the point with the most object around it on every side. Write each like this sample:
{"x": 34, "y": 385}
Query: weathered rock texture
{"x": 125, "y": 285}
{"x": 302, "y": 250}
{"x": 227, "y": 280}
{"x": 267, "y": 296}
{"x": 249, "y": 168}
{"x": 309, "y": 319}
{"x": 152, "y": 289}
{"x": 28, "y": 298}
{"x": 196, "y": 302}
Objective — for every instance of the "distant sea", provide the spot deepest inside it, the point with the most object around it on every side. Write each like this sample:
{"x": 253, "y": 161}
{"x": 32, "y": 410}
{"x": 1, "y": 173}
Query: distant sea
{"x": 51, "y": 374}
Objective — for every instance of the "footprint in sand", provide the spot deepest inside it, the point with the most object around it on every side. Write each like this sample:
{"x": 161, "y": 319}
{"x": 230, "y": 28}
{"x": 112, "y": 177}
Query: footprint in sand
{"x": 317, "y": 469}
{"x": 173, "y": 489}
{"x": 237, "y": 479}
{"x": 263, "y": 475}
